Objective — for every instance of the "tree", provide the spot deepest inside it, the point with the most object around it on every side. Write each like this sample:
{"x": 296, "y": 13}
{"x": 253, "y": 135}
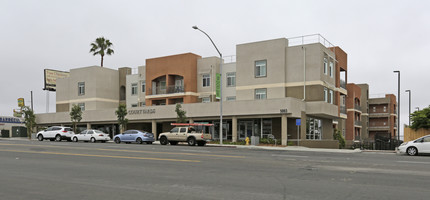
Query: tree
{"x": 421, "y": 119}
{"x": 181, "y": 117}
{"x": 29, "y": 119}
{"x": 121, "y": 112}
{"x": 75, "y": 115}
{"x": 101, "y": 46}
{"x": 337, "y": 135}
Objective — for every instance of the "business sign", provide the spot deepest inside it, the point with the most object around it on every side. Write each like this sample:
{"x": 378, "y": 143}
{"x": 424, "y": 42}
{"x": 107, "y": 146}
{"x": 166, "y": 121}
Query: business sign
{"x": 10, "y": 120}
{"x": 51, "y": 77}
{"x": 21, "y": 102}
{"x": 142, "y": 111}
{"x": 218, "y": 86}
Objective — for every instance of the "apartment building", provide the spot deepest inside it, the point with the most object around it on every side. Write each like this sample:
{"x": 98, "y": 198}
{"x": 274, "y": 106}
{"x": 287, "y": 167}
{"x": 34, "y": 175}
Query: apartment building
{"x": 266, "y": 89}
{"x": 383, "y": 117}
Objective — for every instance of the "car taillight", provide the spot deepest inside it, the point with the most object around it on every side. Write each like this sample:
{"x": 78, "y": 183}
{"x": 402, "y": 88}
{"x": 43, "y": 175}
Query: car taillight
{"x": 64, "y": 131}
{"x": 101, "y": 135}
{"x": 146, "y": 135}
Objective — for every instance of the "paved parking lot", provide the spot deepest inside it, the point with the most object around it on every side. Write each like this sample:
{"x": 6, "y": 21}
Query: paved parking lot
{"x": 66, "y": 170}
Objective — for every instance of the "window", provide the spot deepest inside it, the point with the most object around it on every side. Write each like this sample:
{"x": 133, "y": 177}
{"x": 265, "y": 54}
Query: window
{"x": 325, "y": 65}
{"x": 260, "y": 68}
{"x": 174, "y": 130}
{"x": 385, "y": 108}
{"x": 206, "y": 80}
{"x": 331, "y": 68}
{"x": 82, "y": 106}
{"x": 231, "y": 98}
{"x": 133, "y": 88}
{"x": 206, "y": 100}
{"x": 231, "y": 79}
{"x": 313, "y": 129}
{"x": 81, "y": 88}
{"x": 325, "y": 95}
{"x": 331, "y": 100}
{"x": 133, "y": 105}
{"x": 183, "y": 130}
{"x": 261, "y": 93}
{"x": 142, "y": 104}
{"x": 374, "y": 109}
{"x": 143, "y": 86}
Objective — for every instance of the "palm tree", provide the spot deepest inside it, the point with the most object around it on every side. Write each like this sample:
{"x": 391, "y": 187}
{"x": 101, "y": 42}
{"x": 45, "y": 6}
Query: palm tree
{"x": 101, "y": 46}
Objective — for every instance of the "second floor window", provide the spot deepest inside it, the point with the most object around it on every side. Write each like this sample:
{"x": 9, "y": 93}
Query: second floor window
{"x": 81, "y": 88}
{"x": 325, "y": 65}
{"x": 326, "y": 95}
{"x": 331, "y": 72}
{"x": 231, "y": 98}
{"x": 261, "y": 93}
{"x": 231, "y": 79}
{"x": 82, "y": 106}
{"x": 260, "y": 68}
{"x": 206, "y": 80}
{"x": 133, "y": 88}
{"x": 331, "y": 97}
{"x": 206, "y": 100}
{"x": 143, "y": 86}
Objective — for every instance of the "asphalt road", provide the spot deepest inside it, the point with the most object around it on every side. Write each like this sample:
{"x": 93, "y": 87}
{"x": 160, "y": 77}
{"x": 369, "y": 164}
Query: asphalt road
{"x": 64, "y": 170}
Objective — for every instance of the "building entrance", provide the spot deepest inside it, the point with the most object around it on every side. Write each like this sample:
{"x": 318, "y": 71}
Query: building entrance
{"x": 245, "y": 129}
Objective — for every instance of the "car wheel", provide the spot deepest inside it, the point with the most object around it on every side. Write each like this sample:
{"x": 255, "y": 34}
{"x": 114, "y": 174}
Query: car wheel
{"x": 58, "y": 138}
{"x": 148, "y": 142}
{"x": 117, "y": 140}
{"x": 173, "y": 143}
{"x": 201, "y": 143}
{"x": 93, "y": 140}
{"x": 191, "y": 141}
{"x": 139, "y": 140}
{"x": 163, "y": 140}
{"x": 40, "y": 137}
{"x": 412, "y": 151}
{"x": 75, "y": 139}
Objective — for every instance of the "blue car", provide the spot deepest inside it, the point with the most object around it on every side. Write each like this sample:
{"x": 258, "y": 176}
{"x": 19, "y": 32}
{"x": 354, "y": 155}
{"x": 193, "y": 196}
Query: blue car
{"x": 134, "y": 136}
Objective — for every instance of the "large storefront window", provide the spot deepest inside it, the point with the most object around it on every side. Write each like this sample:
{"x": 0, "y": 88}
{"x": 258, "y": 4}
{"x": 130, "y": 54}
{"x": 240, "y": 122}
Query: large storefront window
{"x": 313, "y": 129}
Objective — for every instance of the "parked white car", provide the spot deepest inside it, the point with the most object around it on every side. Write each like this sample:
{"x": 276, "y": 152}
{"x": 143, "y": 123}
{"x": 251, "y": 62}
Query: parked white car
{"x": 91, "y": 135}
{"x": 56, "y": 133}
{"x": 420, "y": 145}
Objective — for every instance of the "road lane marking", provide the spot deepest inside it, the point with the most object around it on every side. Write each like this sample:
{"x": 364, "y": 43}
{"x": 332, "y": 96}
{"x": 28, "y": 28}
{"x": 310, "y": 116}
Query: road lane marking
{"x": 290, "y": 156}
{"x": 126, "y": 150}
{"x": 100, "y": 156}
{"x": 414, "y": 162}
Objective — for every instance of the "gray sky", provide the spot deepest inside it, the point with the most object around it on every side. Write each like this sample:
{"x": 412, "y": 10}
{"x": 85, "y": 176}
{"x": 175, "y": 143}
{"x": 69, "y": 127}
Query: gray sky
{"x": 378, "y": 36}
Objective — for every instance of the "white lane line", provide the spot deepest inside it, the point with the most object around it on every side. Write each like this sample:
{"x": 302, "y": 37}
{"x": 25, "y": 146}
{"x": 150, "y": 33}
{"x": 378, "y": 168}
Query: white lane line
{"x": 414, "y": 162}
{"x": 290, "y": 156}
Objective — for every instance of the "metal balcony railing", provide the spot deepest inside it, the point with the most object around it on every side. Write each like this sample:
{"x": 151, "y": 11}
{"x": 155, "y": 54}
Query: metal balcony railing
{"x": 357, "y": 123}
{"x": 171, "y": 89}
{"x": 343, "y": 84}
{"x": 357, "y": 107}
{"x": 343, "y": 109}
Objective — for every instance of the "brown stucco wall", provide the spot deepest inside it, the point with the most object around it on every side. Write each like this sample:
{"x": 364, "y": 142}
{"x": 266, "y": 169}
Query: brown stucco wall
{"x": 354, "y": 92}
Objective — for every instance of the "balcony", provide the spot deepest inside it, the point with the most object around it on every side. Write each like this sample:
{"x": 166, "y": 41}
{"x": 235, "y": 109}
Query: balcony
{"x": 343, "y": 109}
{"x": 380, "y": 114}
{"x": 357, "y": 123}
{"x": 379, "y": 128}
{"x": 343, "y": 84}
{"x": 171, "y": 89}
{"x": 357, "y": 107}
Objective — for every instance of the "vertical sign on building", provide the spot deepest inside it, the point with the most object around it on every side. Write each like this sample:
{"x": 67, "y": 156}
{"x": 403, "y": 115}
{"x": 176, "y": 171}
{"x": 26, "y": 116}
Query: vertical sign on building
{"x": 218, "y": 86}
{"x": 21, "y": 102}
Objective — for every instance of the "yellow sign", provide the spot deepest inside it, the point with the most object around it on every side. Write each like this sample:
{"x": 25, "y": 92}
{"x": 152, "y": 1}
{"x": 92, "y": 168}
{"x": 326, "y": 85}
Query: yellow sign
{"x": 21, "y": 102}
{"x": 51, "y": 77}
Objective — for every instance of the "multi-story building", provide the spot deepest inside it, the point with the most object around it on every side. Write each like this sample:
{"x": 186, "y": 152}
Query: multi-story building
{"x": 271, "y": 84}
{"x": 383, "y": 117}
{"x": 353, "y": 106}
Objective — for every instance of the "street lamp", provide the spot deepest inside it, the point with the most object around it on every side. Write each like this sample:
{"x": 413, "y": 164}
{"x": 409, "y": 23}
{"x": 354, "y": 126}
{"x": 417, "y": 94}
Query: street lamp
{"x": 220, "y": 71}
{"x": 398, "y": 106}
{"x": 418, "y": 108}
{"x": 409, "y": 91}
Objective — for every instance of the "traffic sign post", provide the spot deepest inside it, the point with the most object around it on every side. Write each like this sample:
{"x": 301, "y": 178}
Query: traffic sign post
{"x": 298, "y": 123}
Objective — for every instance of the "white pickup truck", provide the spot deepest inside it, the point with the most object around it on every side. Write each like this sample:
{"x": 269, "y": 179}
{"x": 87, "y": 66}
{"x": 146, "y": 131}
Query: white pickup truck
{"x": 191, "y": 133}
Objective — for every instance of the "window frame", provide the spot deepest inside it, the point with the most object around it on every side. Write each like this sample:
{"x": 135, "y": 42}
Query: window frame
{"x": 82, "y": 106}
{"x": 259, "y": 69}
{"x": 134, "y": 89}
{"x": 206, "y": 80}
{"x": 81, "y": 88}
{"x": 259, "y": 94}
{"x": 143, "y": 85}
{"x": 231, "y": 79}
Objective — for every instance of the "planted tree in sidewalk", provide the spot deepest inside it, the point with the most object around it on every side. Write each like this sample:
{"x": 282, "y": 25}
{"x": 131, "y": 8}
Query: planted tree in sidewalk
{"x": 121, "y": 112}
{"x": 421, "y": 119}
{"x": 337, "y": 135}
{"x": 75, "y": 115}
{"x": 101, "y": 46}
{"x": 29, "y": 120}
{"x": 181, "y": 117}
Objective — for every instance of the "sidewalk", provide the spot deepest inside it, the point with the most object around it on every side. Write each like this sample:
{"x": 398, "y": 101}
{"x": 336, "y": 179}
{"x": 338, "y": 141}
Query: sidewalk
{"x": 273, "y": 148}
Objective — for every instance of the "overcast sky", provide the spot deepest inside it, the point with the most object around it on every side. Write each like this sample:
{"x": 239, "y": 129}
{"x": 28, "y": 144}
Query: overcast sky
{"x": 378, "y": 36}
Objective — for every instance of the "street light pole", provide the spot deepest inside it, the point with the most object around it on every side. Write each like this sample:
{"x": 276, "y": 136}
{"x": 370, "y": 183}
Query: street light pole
{"x": 398, "y": 106}
{"x": 220, "y": 71}
{"x": 409, "y": 91}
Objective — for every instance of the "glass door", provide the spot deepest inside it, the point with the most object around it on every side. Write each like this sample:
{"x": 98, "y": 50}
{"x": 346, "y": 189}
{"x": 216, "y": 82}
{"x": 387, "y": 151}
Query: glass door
{"x": 245, "y": 129}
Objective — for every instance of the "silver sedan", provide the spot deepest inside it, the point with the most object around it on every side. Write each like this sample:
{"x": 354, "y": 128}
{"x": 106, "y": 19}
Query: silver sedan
{"x": 91, "y": 135}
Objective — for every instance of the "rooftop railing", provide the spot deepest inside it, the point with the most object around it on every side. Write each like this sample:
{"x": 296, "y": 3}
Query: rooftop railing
{"x": 309, "y": 39}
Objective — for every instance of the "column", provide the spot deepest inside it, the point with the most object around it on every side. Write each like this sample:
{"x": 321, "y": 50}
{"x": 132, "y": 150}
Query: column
{"x": 154, "y": 129}
{"x": 303, "y": 127}
{"x": 234, "y": 127}
{"x": 284, "y": 127}
{"x": 88, "y": 125}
